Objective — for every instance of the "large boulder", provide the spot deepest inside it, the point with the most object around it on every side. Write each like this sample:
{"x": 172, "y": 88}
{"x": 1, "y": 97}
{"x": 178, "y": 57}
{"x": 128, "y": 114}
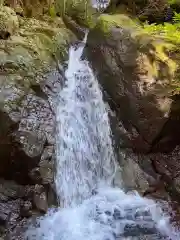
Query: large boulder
{"x": 136, "y": 74}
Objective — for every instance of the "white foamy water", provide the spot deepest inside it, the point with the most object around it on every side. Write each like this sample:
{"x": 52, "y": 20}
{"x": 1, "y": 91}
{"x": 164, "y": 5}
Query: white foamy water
{"x": 100, "y": 4}
{"x": 85, "y": 156}
{"x": 91, "y": 208}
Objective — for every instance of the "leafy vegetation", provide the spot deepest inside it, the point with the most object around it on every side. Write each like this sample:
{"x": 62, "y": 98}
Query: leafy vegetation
{"x": 167, "y": 31}
{"x": 79, "y": 10}
{"x": 171, "y": 2}
{"x": 146, "y": 21}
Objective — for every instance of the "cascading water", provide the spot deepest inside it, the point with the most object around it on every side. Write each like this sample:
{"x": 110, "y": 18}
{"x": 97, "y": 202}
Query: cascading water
{"x": 100, "y": 4}
{"x": 92, "y": 209}
{"x": 84, "y": 151}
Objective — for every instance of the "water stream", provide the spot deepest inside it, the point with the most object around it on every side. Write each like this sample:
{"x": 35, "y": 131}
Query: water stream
{"x": 84, "y": 149}
{"x": 91, "y": 207}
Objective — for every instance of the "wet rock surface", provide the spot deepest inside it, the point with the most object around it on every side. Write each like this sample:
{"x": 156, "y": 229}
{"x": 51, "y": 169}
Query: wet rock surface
{"x": 17, "y": 203}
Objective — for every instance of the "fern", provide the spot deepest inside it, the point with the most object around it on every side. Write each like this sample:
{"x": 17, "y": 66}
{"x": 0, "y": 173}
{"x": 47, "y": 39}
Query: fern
{"x": 171, "y": 2}
{"x": 52, "y": 11}
{"x": 176, "y": 17}
{"x": 167, "y": 31}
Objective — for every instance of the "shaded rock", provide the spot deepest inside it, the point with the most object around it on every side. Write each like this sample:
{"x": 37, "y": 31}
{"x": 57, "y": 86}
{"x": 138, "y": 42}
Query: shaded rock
{"x": 9, "y": 213}
{"x": 11, "y": 190}
{"x": 167, "y": 165}
{"x": 3, "y": 198}
{"x": 134, "y": 175}
{"x": 51, "y": 195}
{"x": 44, "y": 172}
{"x": 40, "y": 199}
{"x": 75, "y": 28}
{"x": 25, "y": 209}
{"x": 46, "y": 166}
{"x": 18, "y": 233}
{"x": 5, "y": 213}
{"x": 137, "y": 171}
{"x": 34, "y": 174}
{"x": 41, "y": 202}
{"x": 15, "y": 163}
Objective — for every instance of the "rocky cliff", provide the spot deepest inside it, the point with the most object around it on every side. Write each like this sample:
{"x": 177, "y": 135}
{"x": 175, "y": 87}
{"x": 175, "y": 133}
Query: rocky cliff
{"x": 32, "y": 53}
{"x": 137, "y": 65}
{"x": 139, "y": 71}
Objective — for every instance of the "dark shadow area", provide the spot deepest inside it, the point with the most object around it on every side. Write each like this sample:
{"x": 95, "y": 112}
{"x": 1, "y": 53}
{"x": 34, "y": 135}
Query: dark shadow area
{"x": 169, "y": 137}
{"x": 14, "y": 164}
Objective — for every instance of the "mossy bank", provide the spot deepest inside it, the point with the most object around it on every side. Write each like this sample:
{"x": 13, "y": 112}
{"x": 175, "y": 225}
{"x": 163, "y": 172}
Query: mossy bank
{"x": 33, "y": 52}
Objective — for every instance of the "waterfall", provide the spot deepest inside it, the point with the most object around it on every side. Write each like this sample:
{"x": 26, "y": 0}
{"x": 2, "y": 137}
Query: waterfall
{"x": 85, "y": 156}
{"x": 100, "y": 4}
{"x": 91, "y": 207}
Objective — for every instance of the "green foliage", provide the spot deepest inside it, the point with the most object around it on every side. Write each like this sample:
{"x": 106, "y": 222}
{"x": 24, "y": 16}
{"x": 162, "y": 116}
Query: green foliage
{"x": 167, "y": 31}
{"x": 171, "y": 2}
{"x": 176, "y": 17}
{"x": 79, "y": 10}
{"x": 52, "y": 11}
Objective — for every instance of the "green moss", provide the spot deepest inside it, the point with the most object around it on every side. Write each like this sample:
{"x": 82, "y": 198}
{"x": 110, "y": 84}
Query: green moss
{"x": 159, "y": 43}
{"x": 8, "y": 21}
{"x": 168, "y": 32}
{"x": 52, "y": 11}
{"x": 171, "y": 2}
{"x": 32, "y": 52}
{"x": 79, "y": 10}
{"x": 106, "y": 22}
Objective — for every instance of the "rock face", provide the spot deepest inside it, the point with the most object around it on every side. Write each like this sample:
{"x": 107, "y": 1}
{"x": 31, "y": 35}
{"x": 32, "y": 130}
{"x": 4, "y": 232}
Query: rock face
{"x": 31, "y": 56}
{"x": 136, "y": 74}
{"x": 30, "y": 78}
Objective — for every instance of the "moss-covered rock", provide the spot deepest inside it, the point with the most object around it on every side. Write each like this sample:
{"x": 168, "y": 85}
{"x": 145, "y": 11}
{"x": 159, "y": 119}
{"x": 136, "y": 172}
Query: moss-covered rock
{"x": 136, "y": 70}
{"x": 28, "y": 56}
{"x": 8, "y": 22}
{"x": 32, "y": 8}
{"x": 33, "y": 51}
{"x": 79, "y": 10}
{"x": 30, "y": 77}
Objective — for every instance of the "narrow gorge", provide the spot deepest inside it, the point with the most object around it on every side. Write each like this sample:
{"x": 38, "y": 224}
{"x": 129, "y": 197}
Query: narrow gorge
{"x": 89, "y": 105}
